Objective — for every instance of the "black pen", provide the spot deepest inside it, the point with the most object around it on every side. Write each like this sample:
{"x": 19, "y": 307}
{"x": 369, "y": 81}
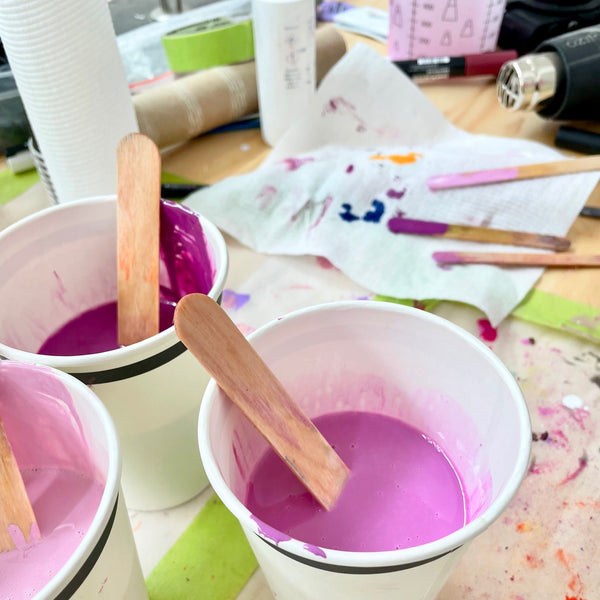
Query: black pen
{"x": 590, "y": 211}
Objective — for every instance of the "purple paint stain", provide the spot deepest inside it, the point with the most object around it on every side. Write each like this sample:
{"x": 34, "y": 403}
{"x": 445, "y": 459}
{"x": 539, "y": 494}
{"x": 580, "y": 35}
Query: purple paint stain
{"x": 266, "y": 196}
{"x": 445, "y": 259}
{"x": 292, "y": 163}
{"x": 233, "y": 300}
{"x": 315, "y": 550}
{"x": 440, "y": 182}
{"x": 270, "y": 532}
{"x": 349, "y": 168}
{"x": 324, "y": 209}
{"x": 397, "y": 194}
{"x": 582, "y": 465}
{"x": 399, "y": 224}
{"x": 486, "y": 331}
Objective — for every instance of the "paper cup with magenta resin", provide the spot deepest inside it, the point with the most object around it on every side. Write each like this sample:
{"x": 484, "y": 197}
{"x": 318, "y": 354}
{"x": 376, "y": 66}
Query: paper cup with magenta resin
{"x": 61, "y": 262}
{"x": 67, "y": 449}
{"x": 397, "y": 361}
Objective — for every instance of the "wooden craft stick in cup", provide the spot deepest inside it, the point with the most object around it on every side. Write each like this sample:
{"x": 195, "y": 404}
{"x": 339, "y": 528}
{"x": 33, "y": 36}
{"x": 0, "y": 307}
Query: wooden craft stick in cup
{"x": 547, "y": 169}
{"x": 17, "y": 519}
{"x": 517, "y": 259}
{"x": 212, "y": 337}
{"x": 399, "y": 224}
{"x": 138, "y": 221}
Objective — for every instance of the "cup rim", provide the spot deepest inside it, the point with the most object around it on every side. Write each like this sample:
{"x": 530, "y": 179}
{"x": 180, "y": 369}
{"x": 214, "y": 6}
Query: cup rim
{"x": 124, "y": 355}
{"x": 110, "y": 494}
{"x": 389, "y": 558}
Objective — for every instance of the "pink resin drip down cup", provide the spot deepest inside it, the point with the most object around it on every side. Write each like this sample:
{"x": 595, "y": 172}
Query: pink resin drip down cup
{"x": 432, "y": 425}
{"x": 66, "y": 447}
{"x": 58, "y": 290}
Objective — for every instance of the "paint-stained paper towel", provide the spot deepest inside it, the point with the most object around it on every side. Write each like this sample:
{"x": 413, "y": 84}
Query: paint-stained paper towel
{"x": 361, "y": 154}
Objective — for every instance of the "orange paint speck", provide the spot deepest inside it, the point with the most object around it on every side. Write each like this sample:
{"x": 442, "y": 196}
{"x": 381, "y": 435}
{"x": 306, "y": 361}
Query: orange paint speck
{"x": 523, "y": 527}
{"x": 399, "y": 159}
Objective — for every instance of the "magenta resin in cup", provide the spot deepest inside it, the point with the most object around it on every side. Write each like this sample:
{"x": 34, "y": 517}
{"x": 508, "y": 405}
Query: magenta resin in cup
{"x": 432, "y": 425}
{"x": 67, "y": 450}
{"x": 58, "y": 291}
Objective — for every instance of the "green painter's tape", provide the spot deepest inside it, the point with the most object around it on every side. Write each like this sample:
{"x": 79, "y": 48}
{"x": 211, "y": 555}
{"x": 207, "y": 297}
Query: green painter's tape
{"x": 209, "y": 44}
{"x": 211, "y": 560}
{"x": 548, "y": 309}
{"x": 427, "y": 305}
{"x": 13, "y": 185}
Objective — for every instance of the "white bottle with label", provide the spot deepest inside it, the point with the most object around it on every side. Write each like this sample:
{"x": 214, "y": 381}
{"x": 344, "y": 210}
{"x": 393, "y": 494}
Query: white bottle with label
{"x": 285, "y": 54}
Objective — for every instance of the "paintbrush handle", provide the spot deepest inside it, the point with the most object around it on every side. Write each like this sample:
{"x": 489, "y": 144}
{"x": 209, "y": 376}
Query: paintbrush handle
{"x": 547, "y": 169}
{"x": 513, "y": 238}
{"x": 560, "y": 167}
{"x": 517, "y": 259}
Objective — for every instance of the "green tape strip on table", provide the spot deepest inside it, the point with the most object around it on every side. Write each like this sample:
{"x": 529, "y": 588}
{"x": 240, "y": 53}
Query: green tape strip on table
{"x": 211, "y": 560}
{"x": 211, "y": 43}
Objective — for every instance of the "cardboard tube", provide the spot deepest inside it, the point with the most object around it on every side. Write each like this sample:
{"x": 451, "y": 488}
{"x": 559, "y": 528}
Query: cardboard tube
{"x": 181, "y": 110}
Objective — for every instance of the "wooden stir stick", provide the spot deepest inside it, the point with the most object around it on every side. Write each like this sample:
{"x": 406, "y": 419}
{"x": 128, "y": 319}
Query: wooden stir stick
{"x": 138, "y": 207}
{"x": 210, "y": 335}
{"x": 15, "y": 507}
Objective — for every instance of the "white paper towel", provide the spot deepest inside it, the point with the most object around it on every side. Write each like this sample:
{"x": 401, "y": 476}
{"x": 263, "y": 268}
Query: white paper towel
{"x": 68, "y": 69}
{"x": 362, "y": 154}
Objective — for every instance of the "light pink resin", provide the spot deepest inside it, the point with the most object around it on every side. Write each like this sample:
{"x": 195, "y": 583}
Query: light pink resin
{"x": 403, "y": 490}
{"x": 64, "y": 503}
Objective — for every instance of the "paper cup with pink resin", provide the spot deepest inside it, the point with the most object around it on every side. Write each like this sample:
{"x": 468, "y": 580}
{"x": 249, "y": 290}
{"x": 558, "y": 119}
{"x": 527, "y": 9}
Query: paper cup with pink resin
{"x": 58, "y": 291}
{"x": 432, "y": 425}
{"x": 67, "y": 450}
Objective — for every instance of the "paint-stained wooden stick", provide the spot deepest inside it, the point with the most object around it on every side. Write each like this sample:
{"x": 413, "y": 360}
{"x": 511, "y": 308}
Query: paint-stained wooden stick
{"x": 547, "y": 169}
{"x": 17, "y": 519}
{"x": 517, "y": 259}
{"x": 138, "y": 206}
{"x": 212, "y": 337}
{"x": 478, "y": 234}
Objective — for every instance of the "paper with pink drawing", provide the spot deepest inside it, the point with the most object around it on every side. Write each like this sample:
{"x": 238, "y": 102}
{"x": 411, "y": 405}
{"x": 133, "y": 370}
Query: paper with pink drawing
{"x": 360, "y": 156}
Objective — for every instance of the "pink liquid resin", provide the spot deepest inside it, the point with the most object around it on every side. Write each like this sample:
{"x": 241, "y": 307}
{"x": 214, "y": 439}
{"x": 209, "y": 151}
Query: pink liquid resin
{"x": 64, "y": 503}
{"x": 95, "y": 331}
{"x": 403, "y": 490}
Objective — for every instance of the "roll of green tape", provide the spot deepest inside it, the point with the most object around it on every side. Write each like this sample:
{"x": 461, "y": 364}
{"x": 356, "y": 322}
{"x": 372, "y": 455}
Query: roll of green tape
{"x": 211, "y": 43}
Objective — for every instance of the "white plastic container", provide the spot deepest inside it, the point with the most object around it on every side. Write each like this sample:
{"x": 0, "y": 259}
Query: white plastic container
{"x": 60, "y": 262}
{"x": 36, "y": 400}
{"x": 394, "y": 360}
{"x": 285, "y": 56}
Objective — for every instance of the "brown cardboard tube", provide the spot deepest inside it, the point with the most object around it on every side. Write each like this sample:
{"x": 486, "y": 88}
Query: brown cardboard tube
{"x": 185, "y": 108}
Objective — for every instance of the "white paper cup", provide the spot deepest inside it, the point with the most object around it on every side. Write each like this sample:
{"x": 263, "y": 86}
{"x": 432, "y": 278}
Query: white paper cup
{"x": 402, "y": 362}
{"x": 60, "y": 262}
{"x": 54, "y": 421}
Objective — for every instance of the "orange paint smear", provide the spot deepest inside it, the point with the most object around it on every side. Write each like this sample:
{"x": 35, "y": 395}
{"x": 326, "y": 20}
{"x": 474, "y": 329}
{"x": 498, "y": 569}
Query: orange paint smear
{"x": 523, "y": 527}
{"x": 575, "y": 584}
{"x": 399, "y": 159}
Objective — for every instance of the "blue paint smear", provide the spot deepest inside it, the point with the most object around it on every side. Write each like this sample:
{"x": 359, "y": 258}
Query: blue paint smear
{"x": 374, "y": 216}
{"x": 347, "y": 214}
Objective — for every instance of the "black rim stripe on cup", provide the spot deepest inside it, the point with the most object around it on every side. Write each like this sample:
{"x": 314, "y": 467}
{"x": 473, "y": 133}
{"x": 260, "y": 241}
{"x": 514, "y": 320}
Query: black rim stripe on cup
{"x": 137, "y": 368}
{"x": 353, "y": 570}
{"x": 90, "y": 561}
